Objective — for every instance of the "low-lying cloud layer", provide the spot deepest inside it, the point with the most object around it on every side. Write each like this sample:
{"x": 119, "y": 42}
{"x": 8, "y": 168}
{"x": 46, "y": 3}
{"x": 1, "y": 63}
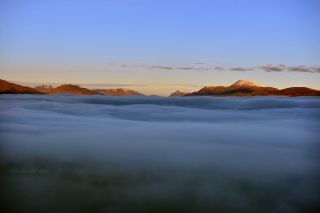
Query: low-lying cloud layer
{"x": 202, "y": 154}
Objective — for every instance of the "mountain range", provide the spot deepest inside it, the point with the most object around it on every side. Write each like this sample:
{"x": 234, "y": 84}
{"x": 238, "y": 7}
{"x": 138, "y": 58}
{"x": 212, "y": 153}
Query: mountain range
{"x": 249, "y": 88}
{"x": 11, "y": 88}
{"x": 66, "y": 89}
{"x": 239, "y": 88}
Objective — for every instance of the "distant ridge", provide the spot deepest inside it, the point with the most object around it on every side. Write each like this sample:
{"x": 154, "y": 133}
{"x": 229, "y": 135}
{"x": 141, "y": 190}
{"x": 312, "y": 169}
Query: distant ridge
{"x": 118, "y": 92}
{"x": 11, "y": 88}
{"x": 77, "y": 90}
{"x": 67, "y": 89}
{"x": 249, "y": 88}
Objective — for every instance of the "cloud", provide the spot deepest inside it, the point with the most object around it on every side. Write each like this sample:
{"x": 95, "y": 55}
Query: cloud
{"x": 186, "y": 68}
{"x": 303, "y": 68}
{"x": 219, "y": 68}
{"x": 266, "y": 68}
{"x": 225, "y": 153}
{"x": 299, "y": 68}
{"x": 162, "y": 67}
{"x": 316, "y": 69}
{"x": 274, "y": 68}
{"x": 242, "y": 69}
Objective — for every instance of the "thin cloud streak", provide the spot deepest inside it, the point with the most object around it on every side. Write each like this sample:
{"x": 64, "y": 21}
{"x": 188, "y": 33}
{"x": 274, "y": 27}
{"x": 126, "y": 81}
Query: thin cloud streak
{"x": 273, "y": 68}
{"x": 162, "y": 67}
{"x": 242, "y": 69}
{"x": 266, "y": 68}
{"x": 303, "y": 68}
{"x": 196, "y": 67}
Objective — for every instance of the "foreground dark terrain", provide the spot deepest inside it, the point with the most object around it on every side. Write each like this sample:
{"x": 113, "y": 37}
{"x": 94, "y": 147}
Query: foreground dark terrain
{"x": 63, "y": 153}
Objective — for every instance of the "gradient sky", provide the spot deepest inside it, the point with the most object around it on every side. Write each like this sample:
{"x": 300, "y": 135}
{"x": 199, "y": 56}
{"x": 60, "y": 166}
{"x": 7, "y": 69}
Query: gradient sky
{"x": 141, "y": 44}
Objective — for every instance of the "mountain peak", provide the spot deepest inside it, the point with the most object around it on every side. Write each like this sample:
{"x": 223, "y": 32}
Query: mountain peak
{"x": 242, "y": 83}
{"x": 180, "y": 93}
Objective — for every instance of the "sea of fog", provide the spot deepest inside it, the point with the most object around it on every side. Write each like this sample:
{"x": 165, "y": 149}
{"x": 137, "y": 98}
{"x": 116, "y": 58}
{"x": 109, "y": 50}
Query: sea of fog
{"x": 63, "y": 153}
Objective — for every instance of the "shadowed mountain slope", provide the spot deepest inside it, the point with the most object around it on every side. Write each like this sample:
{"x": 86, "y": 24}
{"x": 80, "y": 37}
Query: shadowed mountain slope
{"x": 11, "y": 88}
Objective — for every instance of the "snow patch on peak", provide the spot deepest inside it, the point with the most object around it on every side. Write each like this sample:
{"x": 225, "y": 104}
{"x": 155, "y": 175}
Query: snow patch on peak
{"x": 242, "y": 83}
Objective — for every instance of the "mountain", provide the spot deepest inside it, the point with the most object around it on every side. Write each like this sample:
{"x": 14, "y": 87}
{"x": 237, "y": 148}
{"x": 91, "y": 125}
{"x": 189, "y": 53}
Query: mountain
{"x": 67, "y": 89}
{"x": 249, "y": 88}
{"x": 11, "y": 88}
{"x": 118, "y": 92}
{"x": 179, "y": 93}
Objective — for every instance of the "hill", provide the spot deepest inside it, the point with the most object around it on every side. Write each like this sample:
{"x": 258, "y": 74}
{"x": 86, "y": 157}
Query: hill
{"x": 11, "y": 88}
{"x": 299, "y": 91}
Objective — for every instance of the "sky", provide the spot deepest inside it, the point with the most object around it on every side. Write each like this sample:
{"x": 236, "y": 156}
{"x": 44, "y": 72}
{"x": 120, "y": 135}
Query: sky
{"x": 158, "y": 46}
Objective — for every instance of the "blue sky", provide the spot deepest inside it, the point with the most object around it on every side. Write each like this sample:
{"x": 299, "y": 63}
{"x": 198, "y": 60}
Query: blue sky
{"x": 90, "y": 41}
